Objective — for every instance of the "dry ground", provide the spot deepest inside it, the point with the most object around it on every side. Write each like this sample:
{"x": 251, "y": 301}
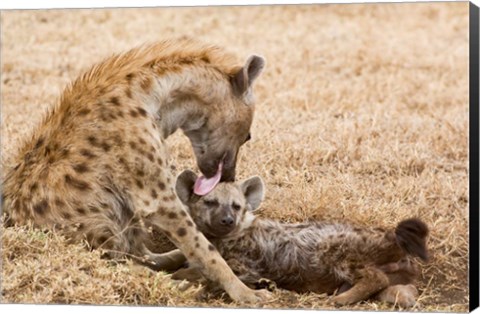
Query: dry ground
{"x": 362, "y": 116}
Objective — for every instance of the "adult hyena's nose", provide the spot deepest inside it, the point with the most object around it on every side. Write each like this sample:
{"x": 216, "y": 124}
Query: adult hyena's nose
{"x": 227, "y": 221}
{"x": 228, "y": 176}
{"x": 229, "y": 165}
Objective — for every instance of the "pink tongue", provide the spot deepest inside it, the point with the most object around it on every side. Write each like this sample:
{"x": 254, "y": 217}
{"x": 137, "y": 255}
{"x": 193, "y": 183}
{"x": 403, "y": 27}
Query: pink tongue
{"x": 204, "y": 186}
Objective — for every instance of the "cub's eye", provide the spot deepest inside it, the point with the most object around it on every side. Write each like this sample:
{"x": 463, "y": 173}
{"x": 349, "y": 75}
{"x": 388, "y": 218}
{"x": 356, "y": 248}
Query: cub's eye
{"x": 210, "y": 203}
{"x": 236, "y": 206}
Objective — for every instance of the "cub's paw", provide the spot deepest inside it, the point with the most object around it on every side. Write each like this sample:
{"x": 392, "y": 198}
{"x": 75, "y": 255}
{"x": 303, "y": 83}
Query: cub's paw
{"x": 264, "y": 283}
{"x": 402, "y": 295}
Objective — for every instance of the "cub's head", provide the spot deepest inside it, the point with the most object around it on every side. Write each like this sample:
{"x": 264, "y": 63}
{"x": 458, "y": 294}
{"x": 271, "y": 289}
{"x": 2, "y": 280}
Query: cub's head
{"x": 226, "y": 210}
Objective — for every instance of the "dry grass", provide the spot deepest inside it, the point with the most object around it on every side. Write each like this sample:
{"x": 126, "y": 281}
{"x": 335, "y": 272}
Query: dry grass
{"x": 362, "y": 115}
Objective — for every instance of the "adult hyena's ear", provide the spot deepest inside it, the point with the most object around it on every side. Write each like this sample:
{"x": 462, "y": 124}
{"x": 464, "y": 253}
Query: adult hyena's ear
{"x": 184, "y": 185}
{"x": 244, "y": 78}
{"x": 253, "y": 189}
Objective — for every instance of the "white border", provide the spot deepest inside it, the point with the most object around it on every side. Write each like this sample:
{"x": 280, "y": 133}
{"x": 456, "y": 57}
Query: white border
{"x": 52, "y": 4}
{"x": 81, "y": 309}
{"x": 58, "y": 4}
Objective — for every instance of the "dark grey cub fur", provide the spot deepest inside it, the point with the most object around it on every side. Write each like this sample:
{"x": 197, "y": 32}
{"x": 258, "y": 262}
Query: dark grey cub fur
{"x": 355, "y": 262}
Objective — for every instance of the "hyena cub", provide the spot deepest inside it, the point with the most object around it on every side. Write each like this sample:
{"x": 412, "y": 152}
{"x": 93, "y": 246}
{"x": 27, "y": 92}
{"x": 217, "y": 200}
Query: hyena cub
{"x": 320, "y": 257}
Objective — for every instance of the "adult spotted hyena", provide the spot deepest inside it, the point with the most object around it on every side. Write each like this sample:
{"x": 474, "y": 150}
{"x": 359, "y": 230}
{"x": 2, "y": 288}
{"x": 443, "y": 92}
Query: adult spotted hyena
{"x": 316, "y": 256}
{"x": 96, "y": 165}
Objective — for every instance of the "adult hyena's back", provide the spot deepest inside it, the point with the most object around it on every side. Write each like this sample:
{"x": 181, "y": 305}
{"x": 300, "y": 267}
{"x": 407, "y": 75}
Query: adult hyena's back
{"x": 80, "y": 166}
{"x": 64, "y": 181}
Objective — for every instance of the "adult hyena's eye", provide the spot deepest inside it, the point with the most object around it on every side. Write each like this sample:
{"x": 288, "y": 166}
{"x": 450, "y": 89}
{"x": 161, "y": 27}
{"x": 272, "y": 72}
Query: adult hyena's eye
{"x": 210, "y": 203}
{"x": 236, "y": 206}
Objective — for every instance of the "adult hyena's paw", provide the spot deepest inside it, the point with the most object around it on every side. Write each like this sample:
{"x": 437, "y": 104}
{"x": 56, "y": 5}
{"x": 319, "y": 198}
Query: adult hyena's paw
{"x": 262, "y": 295}
{"x": 248, "y": 295}
{"x": 264, "y": 283}
{"x": 343, "y": 299}
{"x": 402, "y": 295}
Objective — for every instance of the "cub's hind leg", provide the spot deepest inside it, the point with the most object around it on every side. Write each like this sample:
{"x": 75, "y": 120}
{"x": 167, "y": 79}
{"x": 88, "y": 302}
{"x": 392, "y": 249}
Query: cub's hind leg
{"x": 367, "y": 282}
{"x": 402, "y": 272}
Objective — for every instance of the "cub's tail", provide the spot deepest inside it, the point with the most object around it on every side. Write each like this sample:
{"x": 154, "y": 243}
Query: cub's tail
{"x": 411, "y": 236}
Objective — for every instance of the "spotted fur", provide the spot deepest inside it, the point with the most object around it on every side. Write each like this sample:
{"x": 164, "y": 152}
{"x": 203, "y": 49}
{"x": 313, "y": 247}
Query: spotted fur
{"x": 96, "y": 167}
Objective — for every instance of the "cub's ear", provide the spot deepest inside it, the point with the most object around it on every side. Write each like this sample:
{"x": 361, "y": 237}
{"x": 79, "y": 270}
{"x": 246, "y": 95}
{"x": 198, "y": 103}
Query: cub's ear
{"x": 244, "y": 78}
{"x": 253, "y": 189}
{"x": 184, "y": 185}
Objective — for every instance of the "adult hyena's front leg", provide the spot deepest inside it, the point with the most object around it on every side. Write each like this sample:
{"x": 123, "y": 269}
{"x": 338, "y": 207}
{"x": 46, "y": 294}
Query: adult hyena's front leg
{"x": 180, "y": 228}
{"x": 247, "y": 275}
{"x": 250, "y": 276}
